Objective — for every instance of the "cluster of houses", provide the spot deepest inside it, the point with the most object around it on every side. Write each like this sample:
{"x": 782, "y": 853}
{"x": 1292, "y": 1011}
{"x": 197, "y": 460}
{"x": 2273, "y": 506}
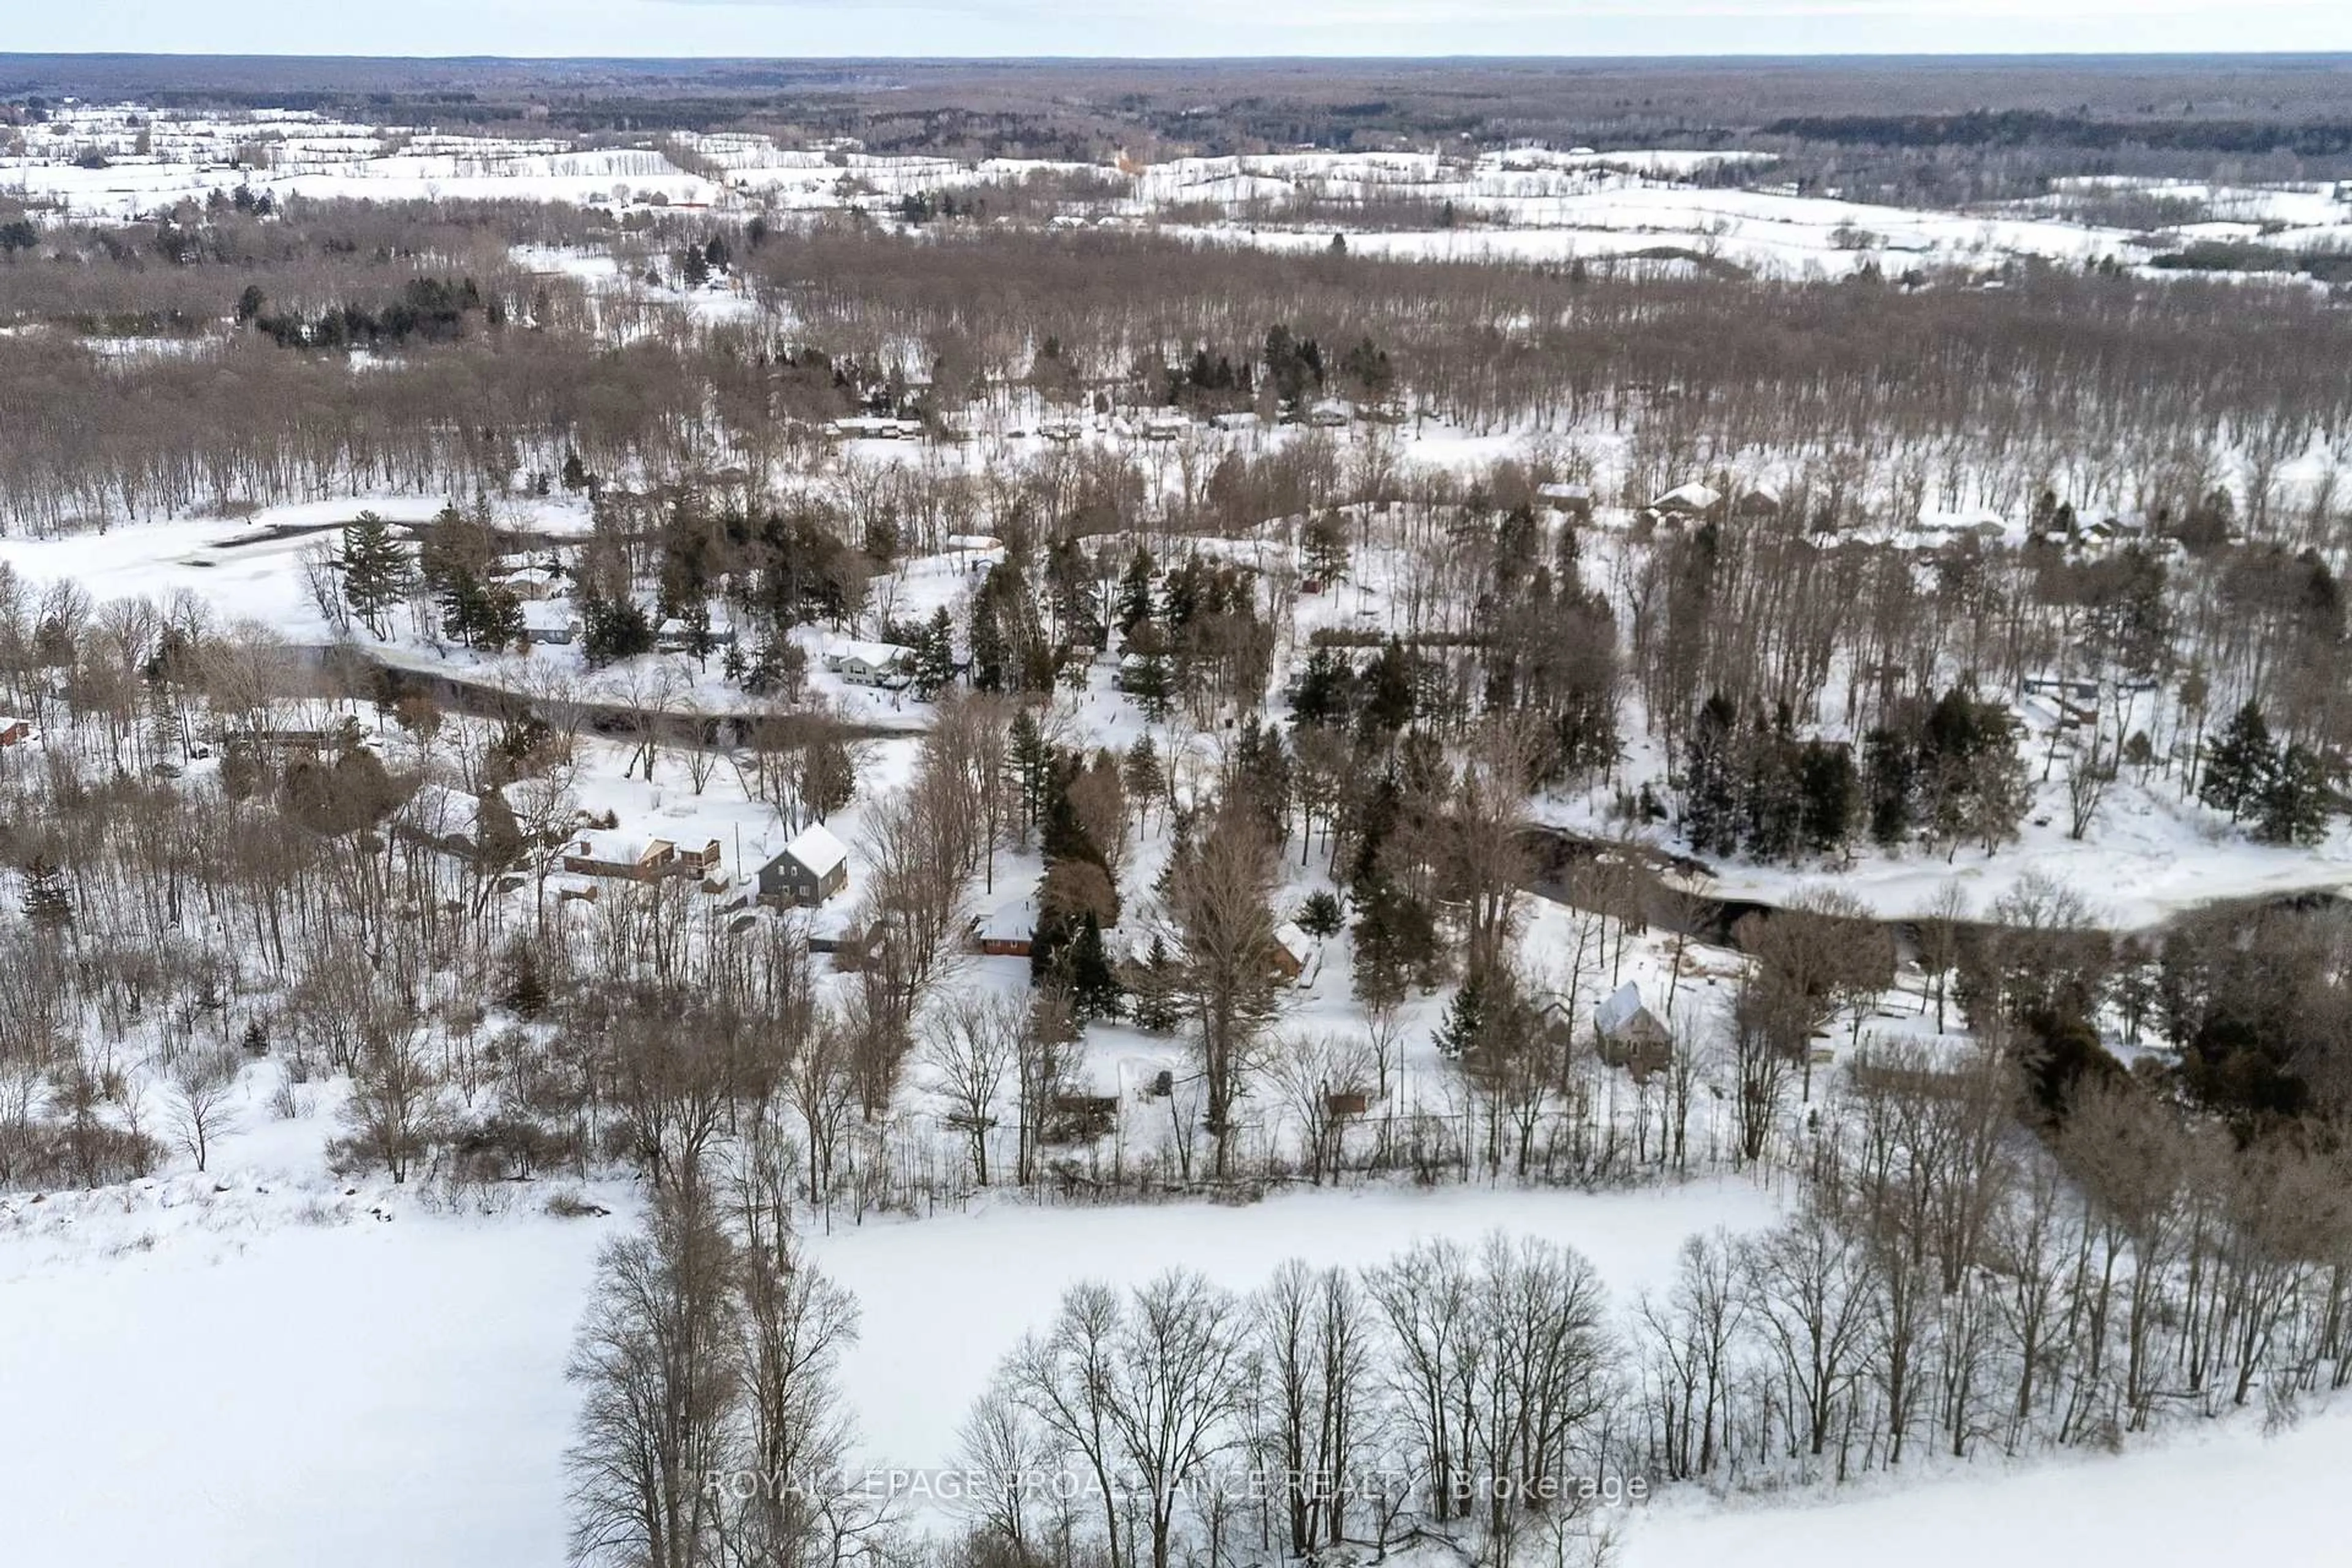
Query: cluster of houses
{"x": 1165, "y": 425}
{"x": 1697, "y": 502}
{"x": 875, "y": 427}
{"x": 812, "y": 868}
{"x": 1693, "y": 503}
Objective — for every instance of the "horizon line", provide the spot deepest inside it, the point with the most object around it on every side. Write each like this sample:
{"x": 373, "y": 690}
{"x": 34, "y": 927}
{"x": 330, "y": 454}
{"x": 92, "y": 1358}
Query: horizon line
{"x": 1539, "y": 58}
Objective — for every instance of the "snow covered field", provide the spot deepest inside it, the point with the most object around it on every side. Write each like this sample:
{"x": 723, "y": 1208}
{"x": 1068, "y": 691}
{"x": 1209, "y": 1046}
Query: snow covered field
{"x": 276, "y": 1380}
{"x": 120, "y": 162}
{"x": 364, "y": 1392}
{"x": 2233, "y": 1496}
{"x": 282, "y": 1391}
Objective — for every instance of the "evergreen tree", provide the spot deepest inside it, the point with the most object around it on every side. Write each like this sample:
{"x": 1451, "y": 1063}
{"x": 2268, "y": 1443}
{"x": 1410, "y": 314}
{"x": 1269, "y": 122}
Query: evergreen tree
{"x": 1890, "y": 771}
{"x": 1465, "y": 1021}
{"x": 828, "y": 779}
{"x": 1711, "y": 779}
{"x": 2291, "y": 805}
{"x": 526, "y": 990}
{"x": 1771, "y": 802}
{"x": 613, "y": 629}
{"x": 498, "y": 621}
{"x": 1389, "y": 701}
{"x": 1030, "y": 757}
{"x": 1134, "y": 606}
{"x": 376, "y": 572}
{"x": 1396, "y": 943}
{"x": 47, "y": 905}
{"x": 934, "y": 669}
{"x": 1145, "y": 675}
{"x": 497, "y": 837}
{"x": 1321, "y": 915}
{"x": 1831, "y": 795}
{"x": 1324, "y": 547}
{"x": 1140, "y": 774}
{"x": 1094, "y": 985}
{"x": 1326, "y": 691}
{"x": 2240, "y": 763}
{"x": 1153, "y": 1002}
{"x": 993, "y": 661}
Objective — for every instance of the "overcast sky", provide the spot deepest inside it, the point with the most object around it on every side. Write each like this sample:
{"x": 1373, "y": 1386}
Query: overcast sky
{"x": 1179, "y": 27}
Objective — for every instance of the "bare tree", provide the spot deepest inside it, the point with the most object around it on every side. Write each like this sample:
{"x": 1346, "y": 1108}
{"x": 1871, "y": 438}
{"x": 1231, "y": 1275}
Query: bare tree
{"x": 1145, "y": 1391}
{"x": 971, "y": 1042}
{"x": 659, "y": 1368}
{"x": 1319, "y": 1077}
{"x": 203, "y": 1088}
{"x": 393, "y": 1115}
{"x": 1219, "y": 901}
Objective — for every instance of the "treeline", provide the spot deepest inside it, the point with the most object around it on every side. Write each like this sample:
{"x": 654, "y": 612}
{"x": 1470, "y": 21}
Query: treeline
{"x": 2189, "y": 382}
{"x": 1939, "y": 1290}
{"x": 2026, "y": 127}
{"x": 432, "y": 309}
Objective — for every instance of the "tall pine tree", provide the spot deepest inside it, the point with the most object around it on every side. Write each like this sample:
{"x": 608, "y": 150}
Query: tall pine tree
{"x": 375, "y": 571}
{"x": 2240, "y": 765}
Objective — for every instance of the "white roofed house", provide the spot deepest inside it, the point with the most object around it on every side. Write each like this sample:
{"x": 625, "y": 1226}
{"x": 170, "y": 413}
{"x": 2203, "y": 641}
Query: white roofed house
{"x": 1006, "y": 924}
{"x": 1292, "y": 951}
{"x": 1572, "y": 500}
{"x": 1630, "y": 1035}
{"x": 1688, "y": 501}
{"x": 554, "y": 622}
{"x": 530, "y": 583}
{"x": 879, "y": 664}
{"x": 14, "y": 731}
{"x": 808, "y": 870}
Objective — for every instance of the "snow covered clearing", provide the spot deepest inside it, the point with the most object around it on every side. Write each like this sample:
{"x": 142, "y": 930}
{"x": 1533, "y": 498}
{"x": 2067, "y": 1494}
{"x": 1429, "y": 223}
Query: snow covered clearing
{"x": 282, "y": 1393}
{"x": 1515, "y": 205}
{"x": 289, "y": 1398}
{"x": 2231, "y": 1495}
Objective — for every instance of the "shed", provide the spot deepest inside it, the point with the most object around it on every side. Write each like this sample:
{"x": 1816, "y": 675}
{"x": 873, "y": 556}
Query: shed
{"x": 1293, "y": 951}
